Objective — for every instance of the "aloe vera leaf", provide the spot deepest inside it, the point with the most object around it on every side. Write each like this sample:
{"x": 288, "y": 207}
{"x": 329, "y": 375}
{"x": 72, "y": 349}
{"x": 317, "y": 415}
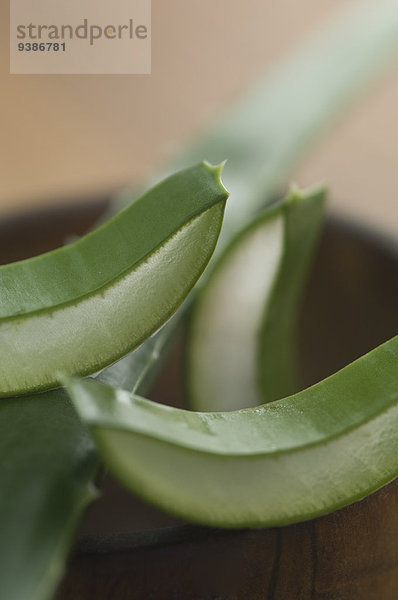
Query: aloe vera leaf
{"x": 282, "y": 462}
{"x": 83, "y": 306}
{"x": 47, "y": 466}
{"x": 279, "y": 118}
{"x": 243, "y": 325}
{"x": 271, "y": 127}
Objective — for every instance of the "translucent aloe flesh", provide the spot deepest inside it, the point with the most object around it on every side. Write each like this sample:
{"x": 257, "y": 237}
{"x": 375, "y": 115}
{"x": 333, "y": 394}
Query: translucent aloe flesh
{"x": 243, "y": 325}
{"x": 282, "y": 462}
{"x": 83, "y": 306}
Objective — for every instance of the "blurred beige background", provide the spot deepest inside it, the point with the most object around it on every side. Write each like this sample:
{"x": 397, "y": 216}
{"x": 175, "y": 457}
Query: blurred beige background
{"x": 70, "y": 135}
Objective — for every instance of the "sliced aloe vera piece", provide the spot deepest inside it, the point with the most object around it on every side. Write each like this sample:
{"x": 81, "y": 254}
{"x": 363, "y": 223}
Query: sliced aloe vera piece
{"x": 242, "y": 329}
{"x": 282, "y": 462}
{"x": 83, "y": 306}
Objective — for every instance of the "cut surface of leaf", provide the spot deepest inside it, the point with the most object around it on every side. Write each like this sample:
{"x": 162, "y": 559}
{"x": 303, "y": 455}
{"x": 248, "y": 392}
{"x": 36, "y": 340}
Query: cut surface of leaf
{"x": 83, "y": 306}
{"x": 282, "y": 462}
{"x": 243, "y": 325}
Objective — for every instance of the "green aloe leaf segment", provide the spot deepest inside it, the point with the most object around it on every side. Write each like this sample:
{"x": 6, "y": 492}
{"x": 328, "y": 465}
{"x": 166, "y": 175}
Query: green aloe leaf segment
{"x": 83, "y": 306}
{"x": 282, "y": 462}
{"x": 242, "y": 331}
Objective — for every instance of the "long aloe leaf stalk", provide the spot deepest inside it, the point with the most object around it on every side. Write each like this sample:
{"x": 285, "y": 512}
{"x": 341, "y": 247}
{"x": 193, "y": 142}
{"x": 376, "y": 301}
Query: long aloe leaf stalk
{"x": 269, "y": 129}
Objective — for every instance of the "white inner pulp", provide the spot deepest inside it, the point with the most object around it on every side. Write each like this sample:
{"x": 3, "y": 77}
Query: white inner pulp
{"x": 225, "y": 330}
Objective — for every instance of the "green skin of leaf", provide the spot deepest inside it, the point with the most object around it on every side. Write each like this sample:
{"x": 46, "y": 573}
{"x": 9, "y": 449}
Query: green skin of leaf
{"x": 277, "y": 360}
{"x": 233, "y": 343}
{"x": 83, "y": 306}
{"x": 47, "y": 467}
{"x": 279, "y": 463}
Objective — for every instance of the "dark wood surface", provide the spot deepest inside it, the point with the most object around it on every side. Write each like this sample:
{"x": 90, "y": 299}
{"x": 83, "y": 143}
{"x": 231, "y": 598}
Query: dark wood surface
{"x": 349, "y": 555}
{"x": 128, "y": 550}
